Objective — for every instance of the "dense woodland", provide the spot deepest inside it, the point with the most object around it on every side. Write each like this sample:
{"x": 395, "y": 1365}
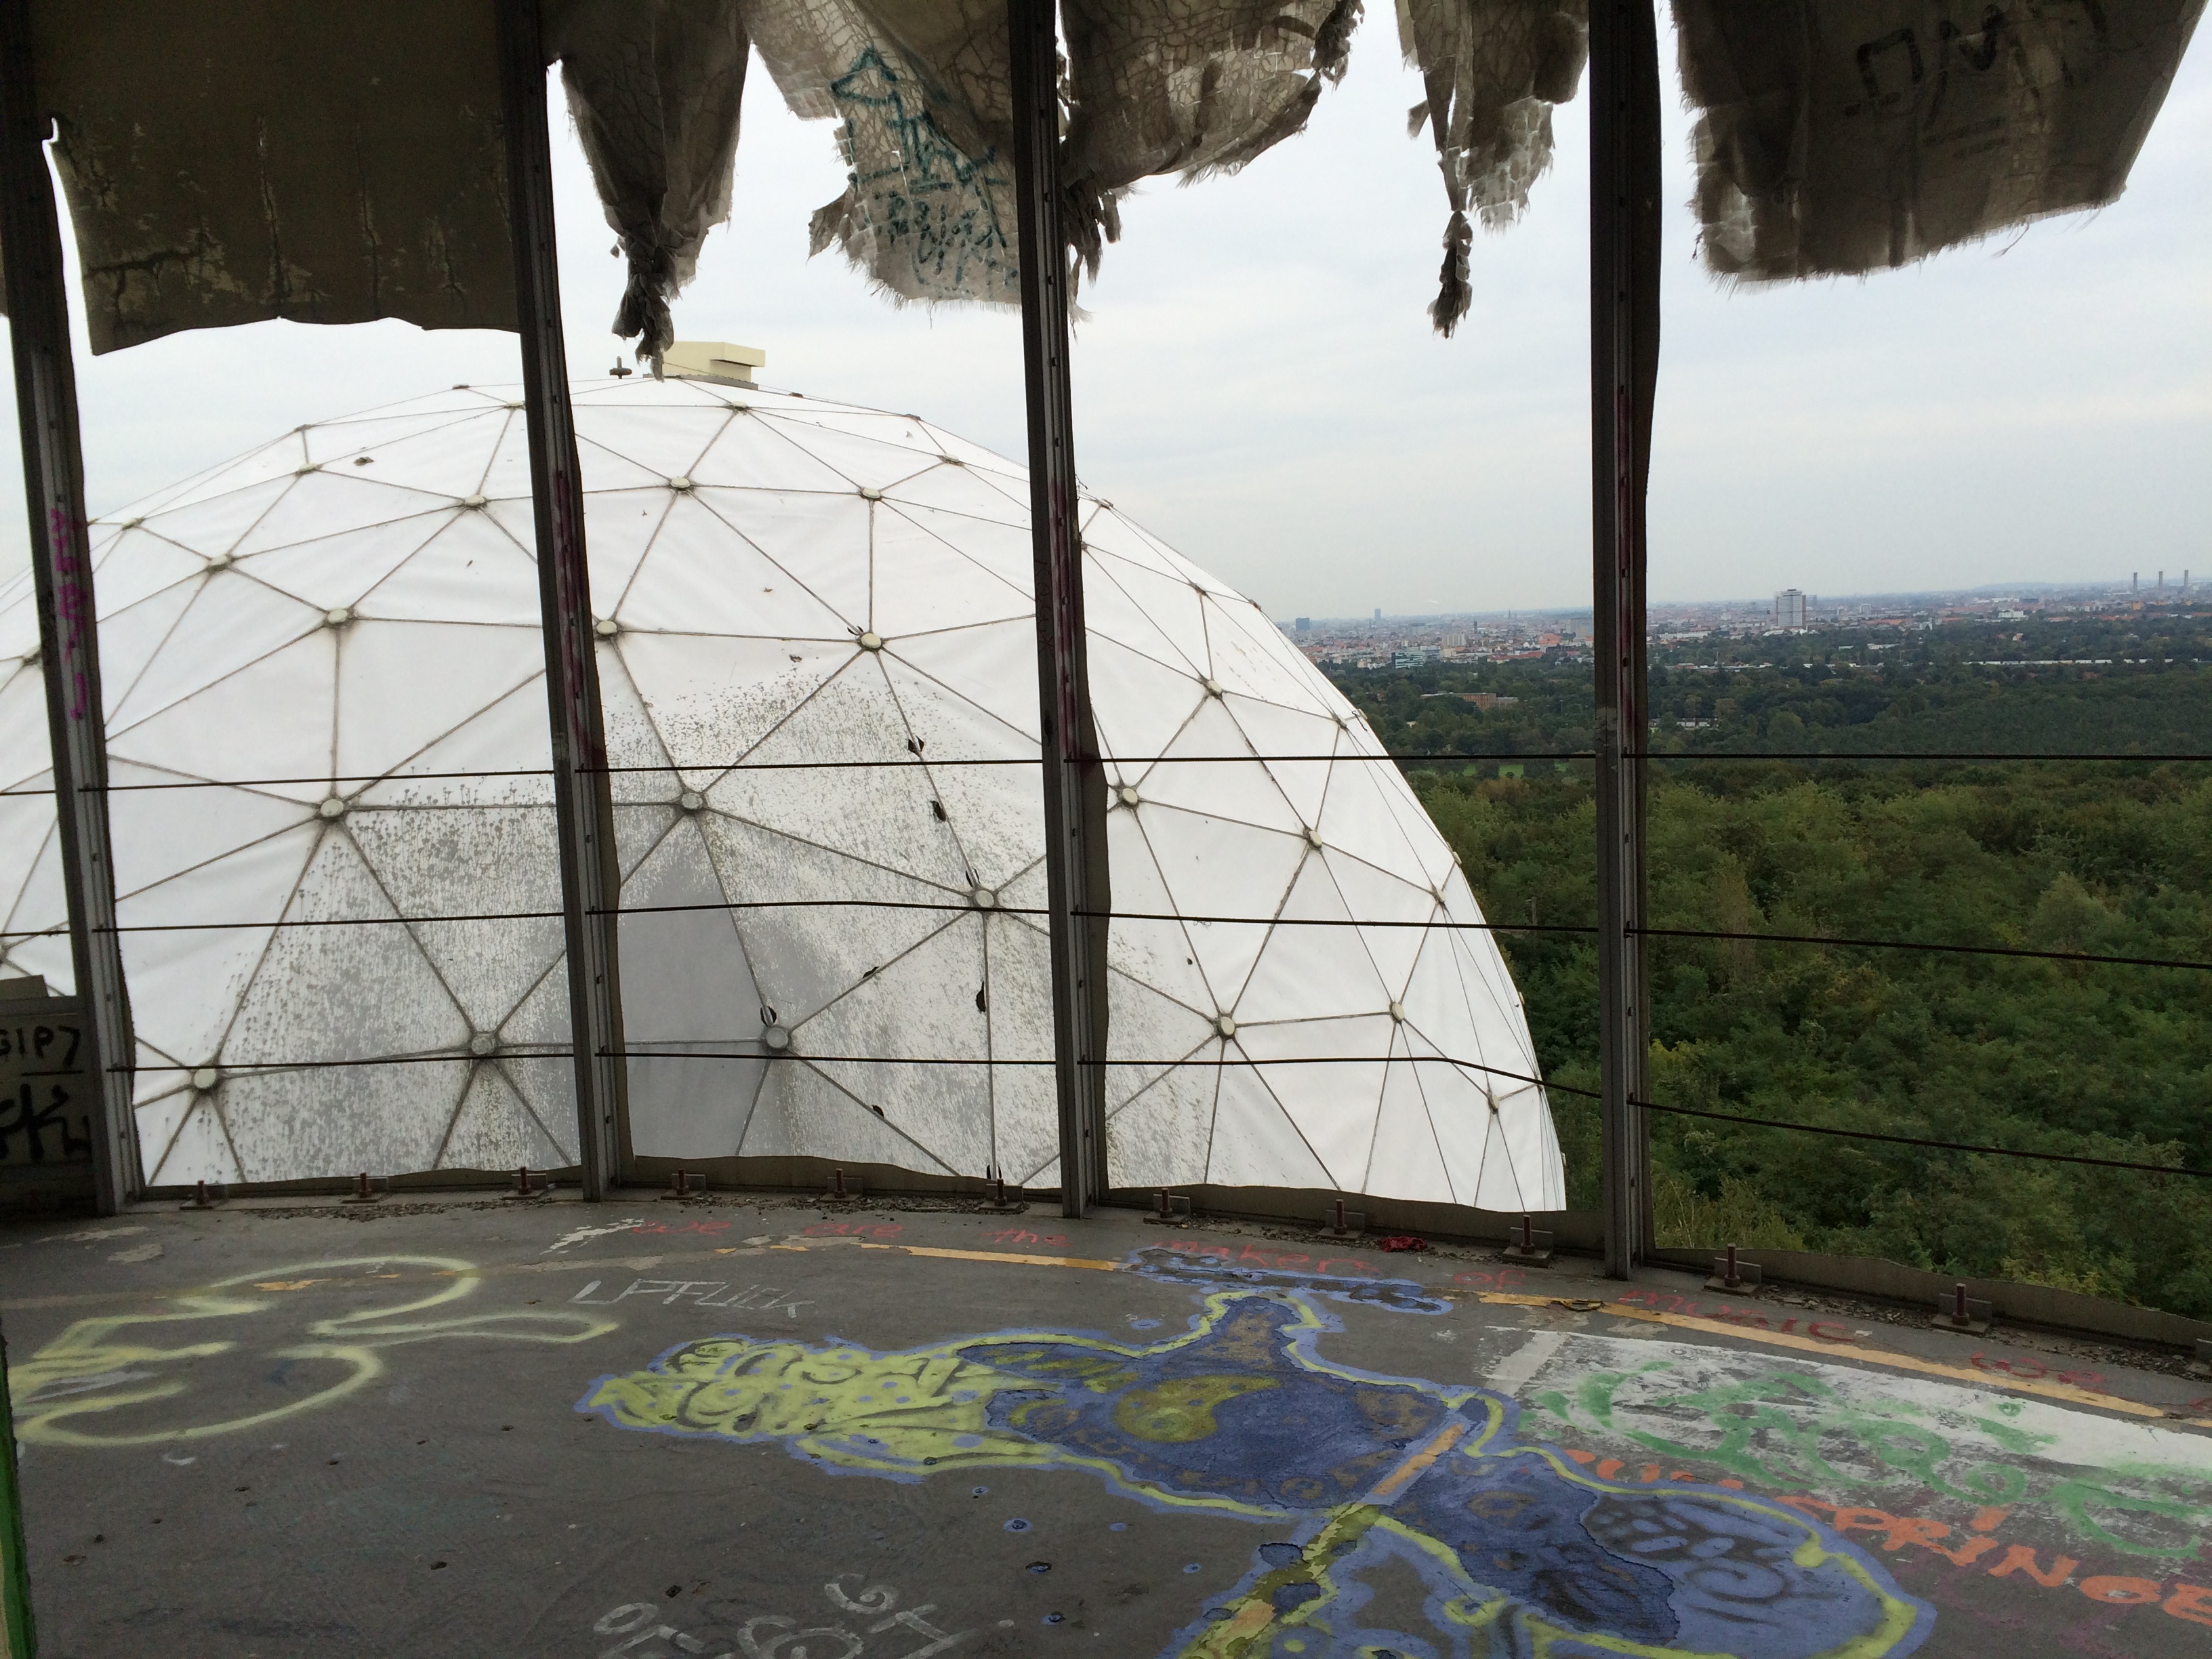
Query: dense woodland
{"x": 2107, "y": 857}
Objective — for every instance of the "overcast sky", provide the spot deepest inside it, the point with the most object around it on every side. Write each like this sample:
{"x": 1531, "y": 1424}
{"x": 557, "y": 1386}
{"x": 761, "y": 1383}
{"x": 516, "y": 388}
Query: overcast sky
{"x": 1258, "y": 382}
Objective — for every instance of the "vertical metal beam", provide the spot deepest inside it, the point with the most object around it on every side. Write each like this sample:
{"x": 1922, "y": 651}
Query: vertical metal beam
{"x": 1074, "y": 782}
{"x": 1624, "y": 371}
{"x": 61, "y": 561}
{"x": 591, "y": 870}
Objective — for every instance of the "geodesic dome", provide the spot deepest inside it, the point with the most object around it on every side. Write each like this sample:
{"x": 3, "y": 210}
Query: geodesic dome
{"x": 326, "y": 703}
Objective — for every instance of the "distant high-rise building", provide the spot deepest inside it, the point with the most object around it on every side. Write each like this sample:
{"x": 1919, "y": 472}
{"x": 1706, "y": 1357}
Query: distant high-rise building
{"x": 1789, "y": 608}
{"x": 1378, "y": 613}
{"x": 1305, "y": 624}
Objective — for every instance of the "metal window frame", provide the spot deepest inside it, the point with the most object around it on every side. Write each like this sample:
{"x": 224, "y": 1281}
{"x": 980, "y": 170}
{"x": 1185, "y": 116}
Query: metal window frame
{"x": 1077, "y": 893}
{"x": 1624, "y": 236}
{"x": 591, "y": 861}
{"x": 68, "y": 633}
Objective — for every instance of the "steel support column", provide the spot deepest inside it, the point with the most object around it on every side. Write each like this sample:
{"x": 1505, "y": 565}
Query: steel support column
{"x": 61, "y": 561}
{"x": 1074, "y": 782}
{"x": 1623, "y": 91}
{"x": 590, "y": 871}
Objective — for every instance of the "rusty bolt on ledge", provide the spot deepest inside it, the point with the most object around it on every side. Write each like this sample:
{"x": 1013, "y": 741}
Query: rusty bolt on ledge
{"x": 1000, "y": 1202}
{"x": 1532, "y": 1249}
{"x": 1730, "y": 1274}
{"x": 682, "y": 1190}
{"x": 524, "y": 1190}
{"x": 1344, "y": 1223}
{"x": 1961, "y": 1313}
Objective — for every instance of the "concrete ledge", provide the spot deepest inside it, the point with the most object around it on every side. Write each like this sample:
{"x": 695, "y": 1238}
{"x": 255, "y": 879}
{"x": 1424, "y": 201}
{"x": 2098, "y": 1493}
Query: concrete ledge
{"x": 1580, "y": 1231}
{"x": 426, "y": 1182}
{"x": 2016, "y": 1303}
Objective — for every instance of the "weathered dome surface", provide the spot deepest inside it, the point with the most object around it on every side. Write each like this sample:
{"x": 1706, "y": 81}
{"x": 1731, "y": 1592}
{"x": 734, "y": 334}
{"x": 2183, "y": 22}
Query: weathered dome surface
{"x": 343, "y": 628}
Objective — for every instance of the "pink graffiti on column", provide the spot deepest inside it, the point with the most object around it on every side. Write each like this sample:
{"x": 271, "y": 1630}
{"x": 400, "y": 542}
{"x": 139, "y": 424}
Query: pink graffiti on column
{"x": 71, "y": 600}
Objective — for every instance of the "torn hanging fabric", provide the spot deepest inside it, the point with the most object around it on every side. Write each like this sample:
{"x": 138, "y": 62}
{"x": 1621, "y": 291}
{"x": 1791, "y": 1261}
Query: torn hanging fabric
{"x": 926, "y": 124}
{"x": 1851, "y": 136}
{"x": 655, "y": 88}
{"x": 1159, "y": 87}
{"x": 1492, "y": 69}
{"x": 226, "y": 165}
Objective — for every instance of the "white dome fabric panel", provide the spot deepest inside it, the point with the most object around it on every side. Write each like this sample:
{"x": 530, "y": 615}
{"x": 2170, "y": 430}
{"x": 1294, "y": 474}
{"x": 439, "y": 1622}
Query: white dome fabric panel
{"x": 816, "y": 620}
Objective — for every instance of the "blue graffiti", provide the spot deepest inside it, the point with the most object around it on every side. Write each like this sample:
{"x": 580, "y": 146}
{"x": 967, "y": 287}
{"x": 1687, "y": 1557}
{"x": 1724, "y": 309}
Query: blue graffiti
{"x": 1372, "y": 1484}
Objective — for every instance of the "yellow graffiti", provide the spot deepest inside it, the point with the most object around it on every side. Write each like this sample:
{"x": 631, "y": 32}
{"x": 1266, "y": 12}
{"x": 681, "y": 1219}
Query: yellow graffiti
{"x": 1182, "y": 1410}
{"x": 927, "y": 1409}
{"x": 102, "y": 1366}
{"x": 890, "y": 1412}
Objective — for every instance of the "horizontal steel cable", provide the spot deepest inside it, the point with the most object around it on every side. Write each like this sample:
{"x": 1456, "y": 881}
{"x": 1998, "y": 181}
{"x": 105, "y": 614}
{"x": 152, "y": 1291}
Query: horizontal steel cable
{"x": 1905, "y": 1140}
{"x": 259, "y": 1068}
{"x": 956, "y": 907}
{"x": 1885, "y": 755}
{"x": 455, "y": 1057}
{"x": 1113, "y": 760}
{"x": 1910, "y": 945}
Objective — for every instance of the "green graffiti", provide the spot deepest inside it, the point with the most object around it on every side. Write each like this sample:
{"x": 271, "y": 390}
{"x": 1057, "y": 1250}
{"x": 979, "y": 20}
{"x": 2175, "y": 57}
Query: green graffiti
{"x": 1778, "y": 1428}
{"x": 1786, "y": 1429}
{"x": 2075, "y": 1499}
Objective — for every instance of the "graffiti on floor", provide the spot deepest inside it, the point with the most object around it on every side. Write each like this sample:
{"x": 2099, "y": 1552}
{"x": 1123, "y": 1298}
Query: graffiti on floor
{"x": 1342, "y": 1279}
{"x": 255, "y": 1347}
{"x": 1940, "y": 1477}
{"x": 2135, "y": 1490}
{"x": 1364, "y": 1477}
{"x": 857, "y": 1614}
{"x": 703, "y": 1292}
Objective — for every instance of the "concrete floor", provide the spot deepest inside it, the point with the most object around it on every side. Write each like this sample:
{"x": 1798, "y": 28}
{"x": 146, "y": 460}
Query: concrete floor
{"x": 763, "y": 1431}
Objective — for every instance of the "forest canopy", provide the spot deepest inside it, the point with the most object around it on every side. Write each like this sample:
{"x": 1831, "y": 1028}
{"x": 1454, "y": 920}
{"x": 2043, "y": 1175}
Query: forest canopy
{"x": 2104, "y": 857}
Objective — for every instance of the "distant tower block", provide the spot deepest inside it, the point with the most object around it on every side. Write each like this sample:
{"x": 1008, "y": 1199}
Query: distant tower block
{"x": 1790, "y": 608}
